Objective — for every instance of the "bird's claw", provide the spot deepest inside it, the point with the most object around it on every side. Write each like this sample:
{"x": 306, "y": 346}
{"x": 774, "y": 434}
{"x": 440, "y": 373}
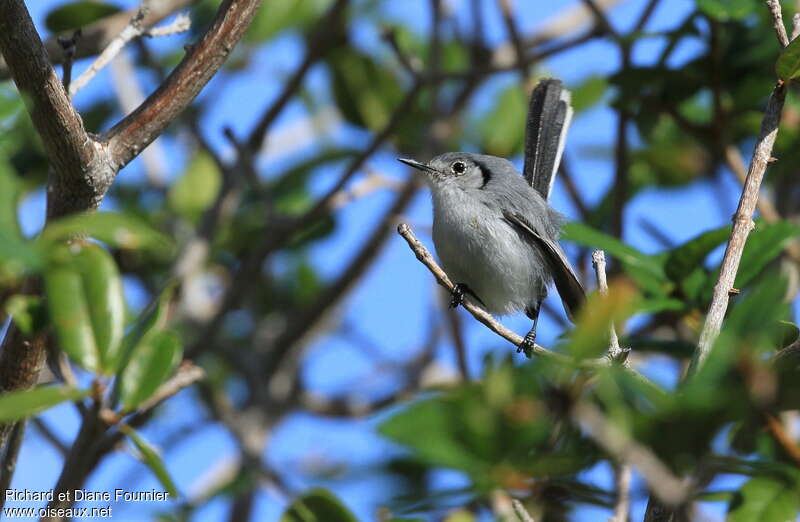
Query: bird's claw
{"x": 527, "y": 344}
{"x": 457, "y": 295}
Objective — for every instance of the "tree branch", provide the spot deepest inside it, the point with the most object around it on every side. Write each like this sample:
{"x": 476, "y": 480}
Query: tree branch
{"x": 131, "y": 135}
{"x": 68, "y": 146}
{"x": 777, "y": 22}
{"x": 742, "y": 225}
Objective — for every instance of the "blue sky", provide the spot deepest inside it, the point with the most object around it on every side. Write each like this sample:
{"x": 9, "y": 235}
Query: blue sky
{"x": 393, "y": 303}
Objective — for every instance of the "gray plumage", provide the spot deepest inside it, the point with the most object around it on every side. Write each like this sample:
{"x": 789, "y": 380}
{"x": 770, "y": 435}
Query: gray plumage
{"x": 478, "y": 241}
{"x": 495, "y": 234}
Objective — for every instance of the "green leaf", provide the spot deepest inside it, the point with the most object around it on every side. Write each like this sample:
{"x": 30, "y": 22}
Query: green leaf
{"x": 150, "y": 364}
{"x": 28, "y": 312}
{"x": 9, "y": 193}
{"x": 148, "y": 324}
{"x": 589, "y": 92}
{"x": 440, "y": 446}
{"x": 726, "y": 10}
{"x": 764, "y": 244}
{"x": 645, "y": 270}
{"x": 765, "y": 499}
{"x": 283, "y": 15}
{"x": 77, "y": 14}
{"x": 197, "y": 188}
{"x": 591, "y": 334}
{"x": 788, "y": 65}
{"x": 18, "y": 405}
{"x": 684, "y": 259}
{"x": 152, "y": 459}
{"x": 18, "y": 257}
{"x": 317, "y": 505}
{"x": 112, "y": 228}
{"x": 503, "y": 128}
{"x": 366, "y": 92}
{"x": 86, "y": 305}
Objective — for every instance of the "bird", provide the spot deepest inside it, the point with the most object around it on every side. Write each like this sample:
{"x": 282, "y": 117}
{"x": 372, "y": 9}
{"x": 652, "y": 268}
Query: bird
{"x": 494, "y": 231}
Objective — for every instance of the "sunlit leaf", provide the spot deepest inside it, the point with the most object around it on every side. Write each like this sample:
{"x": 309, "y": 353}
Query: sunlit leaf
{"x": 197, "y": 188}
{"x": 645, "y": 270}
{"x": 119, "y": 230}
{"x": 86, "y": 305}
{"x": 765, "y": 499}
{"x": 589, "y": 92}
{"x": 151, "y": 363}
{"x": 18, "y": 405}
{"x": 788, "y": 65}
{"x": 149, "y": 323}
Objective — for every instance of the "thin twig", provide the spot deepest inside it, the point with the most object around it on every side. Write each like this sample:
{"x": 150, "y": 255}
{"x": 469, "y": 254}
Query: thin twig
{"x": 520, "y": 511}
{"x": 622, "y": 471}
{"x": 425, "y": 257}
{"x": 51, "y": 437}
{"x": 412, "y": 64}
{"x": 514, "y": 36}
{"x": 134, "y": 29}
{"x": 131, "y": 31}
{"x": 186, "y": 375}
{"x": 777, "y": 21}
{"x": 601, "y": 19}
{"x": 181, "y": 24}
{"x": 68, "y": 46}
{"x": 479, "y": 313}
{"x": 599, "y": 263}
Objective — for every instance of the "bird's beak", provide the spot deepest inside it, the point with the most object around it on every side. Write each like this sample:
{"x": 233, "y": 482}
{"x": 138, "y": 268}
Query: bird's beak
{"x": 416, "y": 164}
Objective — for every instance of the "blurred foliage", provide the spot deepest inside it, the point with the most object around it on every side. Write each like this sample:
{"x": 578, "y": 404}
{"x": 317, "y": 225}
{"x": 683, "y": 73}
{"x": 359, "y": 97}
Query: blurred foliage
{"x": 181, "y": 244}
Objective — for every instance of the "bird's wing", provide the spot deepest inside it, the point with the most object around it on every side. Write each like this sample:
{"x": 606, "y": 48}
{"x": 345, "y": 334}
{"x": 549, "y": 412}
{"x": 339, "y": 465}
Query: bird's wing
{"x": 567, "y": 284}
{"x": 549, "y": 116}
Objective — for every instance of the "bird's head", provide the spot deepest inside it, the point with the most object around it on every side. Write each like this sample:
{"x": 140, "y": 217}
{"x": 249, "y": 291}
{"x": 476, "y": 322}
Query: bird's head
{"x": 460, "y": 169}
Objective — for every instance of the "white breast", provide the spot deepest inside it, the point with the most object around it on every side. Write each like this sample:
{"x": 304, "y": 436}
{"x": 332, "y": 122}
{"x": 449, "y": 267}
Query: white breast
{"x": 479, "y": 248}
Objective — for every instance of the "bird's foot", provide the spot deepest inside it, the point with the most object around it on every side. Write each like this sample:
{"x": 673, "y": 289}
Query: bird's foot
{"x": 527, "y": 344}
{"x": 457, "y": 295}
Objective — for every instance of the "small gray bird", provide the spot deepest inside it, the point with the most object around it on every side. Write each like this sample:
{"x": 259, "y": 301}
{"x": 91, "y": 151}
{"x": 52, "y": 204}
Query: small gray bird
{"x": 494, "y": 232}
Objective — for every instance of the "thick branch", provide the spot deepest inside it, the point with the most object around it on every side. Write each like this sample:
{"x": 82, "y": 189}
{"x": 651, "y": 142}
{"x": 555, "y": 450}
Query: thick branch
{"x": 131, "y": 135}
{"x": 65, "y": 140}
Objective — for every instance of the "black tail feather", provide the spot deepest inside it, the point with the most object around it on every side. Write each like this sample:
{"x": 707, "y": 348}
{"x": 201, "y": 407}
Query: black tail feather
{"x": 549, "y": 115}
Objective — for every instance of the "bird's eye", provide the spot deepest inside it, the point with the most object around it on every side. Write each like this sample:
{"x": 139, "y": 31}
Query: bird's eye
{"x": 458, "y": 167}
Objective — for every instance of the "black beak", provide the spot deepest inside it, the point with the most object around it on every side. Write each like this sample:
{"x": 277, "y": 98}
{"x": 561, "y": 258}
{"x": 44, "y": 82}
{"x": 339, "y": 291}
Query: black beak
{"x": 416, "y": 164}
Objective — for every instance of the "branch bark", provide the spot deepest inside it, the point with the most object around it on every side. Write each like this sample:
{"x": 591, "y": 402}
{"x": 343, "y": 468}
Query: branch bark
{"x": 742, "y": 225}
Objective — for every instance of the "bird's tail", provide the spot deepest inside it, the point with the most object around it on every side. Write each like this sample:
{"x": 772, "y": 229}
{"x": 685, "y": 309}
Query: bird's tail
{"x": 549, "y": 116}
